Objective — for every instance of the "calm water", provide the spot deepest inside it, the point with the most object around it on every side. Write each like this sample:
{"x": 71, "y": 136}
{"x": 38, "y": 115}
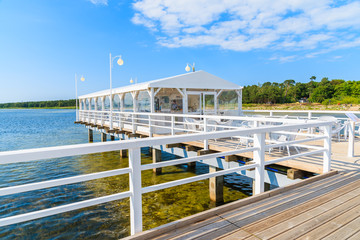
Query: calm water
{"x": 22, "y": 129}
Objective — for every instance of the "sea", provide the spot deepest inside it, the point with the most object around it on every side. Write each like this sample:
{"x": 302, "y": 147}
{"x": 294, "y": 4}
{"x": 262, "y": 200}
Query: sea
{"x": 38, "y": 128}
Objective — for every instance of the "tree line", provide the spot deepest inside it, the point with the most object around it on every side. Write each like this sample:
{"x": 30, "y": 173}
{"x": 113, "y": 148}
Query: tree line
{"x": 40, "y": 104}
{"x": 326, "y": 91}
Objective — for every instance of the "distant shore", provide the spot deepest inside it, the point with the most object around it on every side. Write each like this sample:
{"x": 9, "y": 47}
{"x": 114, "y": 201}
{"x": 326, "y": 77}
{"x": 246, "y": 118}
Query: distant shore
{"x": 304, "y": 106}
{"x": 39, "y": 108}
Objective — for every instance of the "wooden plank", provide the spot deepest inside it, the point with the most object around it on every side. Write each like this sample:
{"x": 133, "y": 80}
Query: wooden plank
{"x": 355, "y": 236}
{"x": 289, "y": 195}
{"x": 269, "y": 208}
{"x": 273, "y": 220}
{"x": 304, "y": 223}
{"x": 202, "y": 232}
{"x": 192, "y": 227}
{"x": 218, "y": 232}
{"x": 341, "y": 227}
{"x": 347, "y": 230}
{"x": 235, "y": 235}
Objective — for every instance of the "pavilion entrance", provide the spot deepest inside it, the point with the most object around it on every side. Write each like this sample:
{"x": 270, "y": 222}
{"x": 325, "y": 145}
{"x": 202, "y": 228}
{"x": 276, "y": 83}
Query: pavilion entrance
{"x": 201, "y": 102}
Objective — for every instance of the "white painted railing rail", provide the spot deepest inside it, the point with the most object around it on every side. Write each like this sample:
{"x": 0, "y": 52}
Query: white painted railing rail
{"x": 135, "y": 167}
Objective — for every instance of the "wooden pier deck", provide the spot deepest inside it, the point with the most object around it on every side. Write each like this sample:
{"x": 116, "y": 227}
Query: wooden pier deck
{"x": 322, "y": 207}
{"x": 328, "y": 208}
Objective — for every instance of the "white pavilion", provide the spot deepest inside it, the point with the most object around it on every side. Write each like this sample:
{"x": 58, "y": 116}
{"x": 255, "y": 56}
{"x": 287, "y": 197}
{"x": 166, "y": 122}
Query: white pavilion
{"x": 191, "y": 93}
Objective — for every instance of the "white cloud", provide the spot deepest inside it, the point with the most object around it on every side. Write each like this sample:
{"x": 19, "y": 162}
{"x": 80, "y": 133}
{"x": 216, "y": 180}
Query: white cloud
{"x": 99, "y": 2}
{"x": 245, "y": 25}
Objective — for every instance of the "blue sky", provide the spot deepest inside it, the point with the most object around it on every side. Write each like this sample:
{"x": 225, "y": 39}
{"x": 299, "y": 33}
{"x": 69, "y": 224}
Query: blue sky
{"x": 44, "y": 43}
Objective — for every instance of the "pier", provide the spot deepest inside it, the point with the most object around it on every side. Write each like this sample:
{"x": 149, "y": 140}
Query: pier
{"x": 317, "y": 157}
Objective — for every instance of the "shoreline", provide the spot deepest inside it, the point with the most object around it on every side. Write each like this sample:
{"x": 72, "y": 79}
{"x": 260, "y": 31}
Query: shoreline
{"x": 41, "y": 108}
{"x": 298, "y": 106}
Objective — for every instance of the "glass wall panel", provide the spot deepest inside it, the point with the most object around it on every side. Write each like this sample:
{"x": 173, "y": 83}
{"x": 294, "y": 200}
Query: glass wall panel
{"x": 99, "y": 104}
{"x": 194, "y": 103}
{"x": 107, "y": 103}
{"x": 116, "y": 102}
{"x": 128, "y": 102}
{"x": 92, "y": 104}
{"x": 143, "y": 102}
{"x": 87, "y": 104}
{"x": 228, "y": 100}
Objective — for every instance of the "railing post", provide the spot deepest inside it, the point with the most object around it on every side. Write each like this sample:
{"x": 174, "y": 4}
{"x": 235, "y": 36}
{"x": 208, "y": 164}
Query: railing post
{"x": 310, "y": 130}
{"x": 259, "y": 159}
{"x": 351, "y": 139}
{"x": 271, "y": 113}
{"x": 135, "y": 190}
{"x": 172, "y": 125}
{"x": 150, "y": 127}
{"x": 206, "y": 141}
{"x": 102, "y": 118}
{"x": 327, "y": 147}
{"x": 133, "y": 122}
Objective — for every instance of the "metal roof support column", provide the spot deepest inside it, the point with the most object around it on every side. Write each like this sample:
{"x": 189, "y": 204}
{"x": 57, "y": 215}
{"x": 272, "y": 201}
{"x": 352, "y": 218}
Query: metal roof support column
{"x": 134, "y": 94}
{"x": 239, "y": 93}
{"x": 216, "y": 101}
{"x": 121, "y": 124}
{"x": 102, "y": 109}
{"x": 152, "y": 100}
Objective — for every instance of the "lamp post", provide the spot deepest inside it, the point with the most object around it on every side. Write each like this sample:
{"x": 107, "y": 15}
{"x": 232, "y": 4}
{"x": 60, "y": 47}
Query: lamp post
{"x": 132, "y": 81}
{"x": 187, "y": 68}
{"x": 119, "y": 62}
{"x": 76, "y": 99}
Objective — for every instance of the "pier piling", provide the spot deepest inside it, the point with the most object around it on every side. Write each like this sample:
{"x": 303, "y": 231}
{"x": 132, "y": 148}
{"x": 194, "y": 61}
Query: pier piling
{"x": 90, "y": 135}
{"x": 156, "y": 158}
{"x": 103, "y": 137}
{"x": 216, "y": 185}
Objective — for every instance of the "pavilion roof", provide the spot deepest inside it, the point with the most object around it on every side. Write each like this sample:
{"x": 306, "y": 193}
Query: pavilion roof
{"x": 192, "y": 80}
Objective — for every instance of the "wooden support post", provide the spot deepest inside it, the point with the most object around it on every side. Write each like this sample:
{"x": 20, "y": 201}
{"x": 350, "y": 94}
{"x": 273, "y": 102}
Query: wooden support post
{"x": 200, "y": 153}
{"x": 191, "y": 148}
{"x": 231, "y": 158}
{"x": 266, "y": 187}
{"x": 91, "y": 135}
{"x": 174, "y": 145}
{"x": 103, "y": 137}
{"x": 216, "y": 186}
{"x": 150, "y": 151}
{"x": 294, "y": 173}
{"x": 133, "y": 135}
{"x": 156, "y": 158}
{"x": 123, "y": 153}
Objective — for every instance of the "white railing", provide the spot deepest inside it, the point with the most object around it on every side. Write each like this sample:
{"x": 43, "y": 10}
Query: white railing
{"x": 134, "y": 170}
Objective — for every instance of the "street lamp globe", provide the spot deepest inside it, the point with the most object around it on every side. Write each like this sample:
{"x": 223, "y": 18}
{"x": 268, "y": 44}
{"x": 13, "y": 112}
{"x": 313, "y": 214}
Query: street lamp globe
{"x": 120, "y": 61}
{"x": 187, "y": 68}
{"x": 82, "y": 78}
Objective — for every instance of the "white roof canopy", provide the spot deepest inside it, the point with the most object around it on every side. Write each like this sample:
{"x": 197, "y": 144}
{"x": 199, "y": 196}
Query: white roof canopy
{"x": 193, "y": 80}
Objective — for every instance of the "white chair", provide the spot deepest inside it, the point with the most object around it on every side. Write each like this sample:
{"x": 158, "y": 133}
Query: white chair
{"x": 193, "y": 125}
{"x": 337, "y": 126}
{"x": 283, "y": 138}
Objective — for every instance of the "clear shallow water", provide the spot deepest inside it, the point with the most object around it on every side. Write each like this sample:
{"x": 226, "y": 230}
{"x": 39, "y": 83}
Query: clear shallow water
{"x": 22, "y": 129}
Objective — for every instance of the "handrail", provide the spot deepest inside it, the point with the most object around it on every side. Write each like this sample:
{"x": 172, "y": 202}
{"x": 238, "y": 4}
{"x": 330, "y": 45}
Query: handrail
{"x": 135, "y": 167}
